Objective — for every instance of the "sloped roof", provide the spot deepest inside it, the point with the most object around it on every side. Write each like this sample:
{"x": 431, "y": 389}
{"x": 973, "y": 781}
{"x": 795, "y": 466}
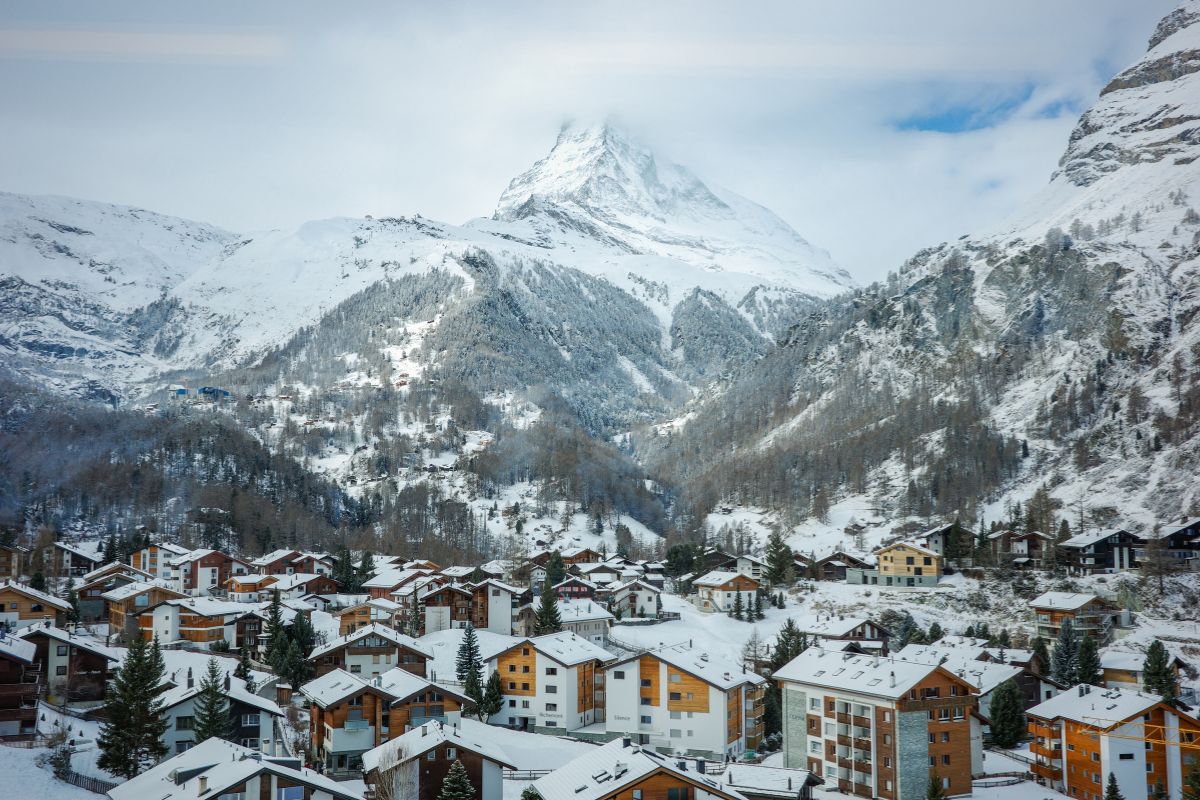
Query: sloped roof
{"x": 420, "y": 740}
{"x": 605, "y": 770}
{"x": 1062, "y": 601}
{"x": 112, "y": 567}
{"x": 963, "y": 662}
{"x": 718, "y": 577}
{"x": 913, "y": 545}
{"x": 274, "y": 555}
{"x": 374, "y": 629}
{"x": 17, "y": 648}
{"x": 34, "y": 594}
{"x": 873, "y": 675}
{"x": 568, "y": 649}
{"x": 66, "y": 637}
{"x": 582, "y": 611}
{"x": 1095, "y": 706}
{"x": 236, "y": 691}
{"x": 1085, "y": 539}
{"x": 697, "y": 661}
{"x": 135, "y": 588}
{"x": 828, "y": 624}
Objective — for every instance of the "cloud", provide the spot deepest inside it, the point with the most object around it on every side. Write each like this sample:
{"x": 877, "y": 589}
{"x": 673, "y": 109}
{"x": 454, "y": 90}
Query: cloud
{"x": 875, "y": 128}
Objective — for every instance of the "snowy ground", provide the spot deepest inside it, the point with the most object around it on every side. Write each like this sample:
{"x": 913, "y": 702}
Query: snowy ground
{"x": 24, "y": 780}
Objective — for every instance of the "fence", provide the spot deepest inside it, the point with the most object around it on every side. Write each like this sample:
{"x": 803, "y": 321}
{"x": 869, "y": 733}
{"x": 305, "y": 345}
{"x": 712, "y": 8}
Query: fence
{"x": 26, "y": 744}
{"x": 525, "y": 774}
{"x": 87, "y": 782}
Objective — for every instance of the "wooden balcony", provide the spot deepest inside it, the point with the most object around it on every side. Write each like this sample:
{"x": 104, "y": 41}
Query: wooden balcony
{"x": 1050, "y": 751}
{"x": 1046, "y": 771}
{"x": 862, "y": 722}
{"x": 844, "y": 740}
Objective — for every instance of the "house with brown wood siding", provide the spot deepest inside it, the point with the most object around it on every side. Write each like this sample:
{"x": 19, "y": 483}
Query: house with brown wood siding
{"x": 372, "y": 650}
{"x": 20, "y": 606}
{"x": 414, "y": 765}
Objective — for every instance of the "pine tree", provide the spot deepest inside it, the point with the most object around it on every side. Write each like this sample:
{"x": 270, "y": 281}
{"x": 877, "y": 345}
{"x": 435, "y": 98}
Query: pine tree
{"x": 493, "y": 698}
{"x": 1089, "y": 662}
{"x": 556, "y": 571}
{"x": 739, "y": 608}
{"x": 1191, "y": 782}
{"x": 935, "y": 791}
{"x": 1064, "y": 664}
{"x": 344, "y": 573}
{"x": 303, "y": 634}
{"x": 277, "y": 639}
{"x": 73, "y": 614}
{"x": 245, "y": 671}
{"x": 297, "y": 670}
{"x": 457, "y": 784}
{"x": 1042, "y": 652}
{"x": 131, "y": 737}
{"x": 936, "y": 632}
{"x": 110, "y": 548}
{"x": 1007, "y": 715}
{"x": 758, "y": 609}
{"x": 211, "y": 709}
{"x": 530, "y": 793}
{"x": 366, "y": 568}
{"x": 38, "y": 582}
{"x": 1159, "y": 793}
{"x": 1113, "y": 791}
{"x": 1159, "y": 678}
{"x": 547, "y": 619}
{"x": 779, "y": 560}
{"x": 469, "y": 659}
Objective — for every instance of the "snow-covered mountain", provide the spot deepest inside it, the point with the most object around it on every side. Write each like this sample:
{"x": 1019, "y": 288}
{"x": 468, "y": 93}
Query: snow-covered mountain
{"x": 1058, "y": 350}
{"x": 104, "y": 299}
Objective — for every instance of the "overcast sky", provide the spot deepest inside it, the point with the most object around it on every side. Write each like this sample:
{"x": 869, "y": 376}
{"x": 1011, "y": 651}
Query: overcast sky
{"x": 875, "y": 128}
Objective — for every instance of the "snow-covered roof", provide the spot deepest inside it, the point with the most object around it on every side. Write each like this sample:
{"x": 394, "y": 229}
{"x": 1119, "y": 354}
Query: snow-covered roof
{"x": 223, "y": 765}
{"x": 568, "y": 648}
{"x": 274, "y": 555}
{"x": 386, "y": 579}
{"x": 1188, "y": 522}
{"x": 92, "y": 551}
{"x": 286, "y": 583}
{"x": 575, "y": 579}
{"x": 596, "y": 566}
{"x": 702, "y": 664}
{"x": 1062, "y": 601}
{"x": 333, "y": 687}
{"x": 420, "y": 740}
{"x": 963, "y": 662}
{"x": 34, "y": 594}
{"x": 571, "y": 552}
{"x": 762, "y": 781}
{"x": 634, "y": 585}
{"x": 67, "y": 637}
{"x": 1095, "y": 706}
{"x": 1086, "y": 539}
{"x": 604, "y": 771}
{"x": 582, "y": 611}
{"x": 112, "y": 567}
{"x": 493, "y": 567}
{"x": 865, "y": 674}
{"x": 381, "y": 603}
{"x": 181, "y": 692}
{"x": 207, "y": 606}
{"x": 911, "y": 545}
{"x": 718, "y": 577}
{"x": 135, "y": 588}
{"x": 457, "y": 572}
{"x": 507, "y": 587}
{"x": 16, "y": 647}
{"x": 374, "y": 629}
{"x": 396, "y": 683}
{"x": 828, "y": 625}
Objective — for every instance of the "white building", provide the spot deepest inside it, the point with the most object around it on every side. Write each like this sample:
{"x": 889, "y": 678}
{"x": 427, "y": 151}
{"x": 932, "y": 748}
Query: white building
{"x": 253, "y": 716}
{"x": 551, "y": 683}
{"x": 586, "y": 619}
{"x": 683, "y": 699}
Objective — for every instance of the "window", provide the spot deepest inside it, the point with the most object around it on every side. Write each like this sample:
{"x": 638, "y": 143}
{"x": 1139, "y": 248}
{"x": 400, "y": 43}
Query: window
{"x": 525, "y": 687}
{"x": 60, "y": 670}
{"x": 524, "y": 651}
{"x": 676, "y": 696}
{"x": 249, "y": 719}
{"x": 637, "y": 794}
{"x": 618, "y": 674}
{"x": 525, "y": 668}
{"x": 512, "y": 703}
{"x": 645, "y": 701}
{"x": 676, "y": 733}
{"x": 946, "y": 737}
{"x": 356, "y": 668}
{"x": 512, "y": 685}
{"x": 1126, "y": 756}
{"x": 552, "y": 706}
{"x": 946, "y": 760}
{"x": 933, "y": 761}
{"x": 647, "y": 682}
{"x": 680, "y": 793}
{"x": 512, "y": 667}
{"x": 62, "y": 649}
{"x": 251, "y": 743}
{"x": 524, "y": 704}
{"x": 677, "y": 715}
{"x": 184, "y": 723}
{"x": 943, "y": 715}
{"x": 431, "y": 755}
{"x": 887, "y": 763}
{"x": 550, "y": 723}
{"x": 674, "y": 677}
{"x": 451, "y": 753}
{"x": 645, "y": 720}
{"x": 551, "y": 670}
{"x": 551, "y": 689}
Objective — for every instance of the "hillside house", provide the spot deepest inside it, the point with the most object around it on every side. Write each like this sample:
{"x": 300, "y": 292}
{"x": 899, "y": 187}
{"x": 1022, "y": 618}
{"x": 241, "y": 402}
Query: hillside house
{"x": 494, "y": 605}
{"x": 634, "y": 598}
{"x": 154, "y": 559}
{"x": 585, "y": 618}
{"x": 682, "y": 698}
{"x": 20, "y": 685}
{"x": 719, "y": 591}
{"x": 448, "y": 606}
{"x": 75, "y": 668}
{"x": 21, "y": 606}
{"x": 371, "y": 650}
{"x": 253, "y": 716}
{"x": 193, "y": 622}
{"x": 900, "y": 564}
{"x": 1099, "y": 552}
{"x": 833, "y": 566}
{"x": 414, "y": 764}
{"x": 1089, "y": 615}
{"x": 1023, "y": 550}
{"x": 201, "y": 573}
{"x": 12, "y": 560}
{"x": 376, "y": 610}
{"x": 74, "y": 560}
{"x": 575, "y": 588}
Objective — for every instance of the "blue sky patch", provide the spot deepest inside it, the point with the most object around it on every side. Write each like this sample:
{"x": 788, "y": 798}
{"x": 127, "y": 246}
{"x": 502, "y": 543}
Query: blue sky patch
{"x": 991, "y": 108}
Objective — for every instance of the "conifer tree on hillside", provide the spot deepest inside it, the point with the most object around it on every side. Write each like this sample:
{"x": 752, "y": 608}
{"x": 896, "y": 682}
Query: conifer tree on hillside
{"x": 739, "y": 608}
{"x": 547, "y": 619}
{"x": 1159, "y": 678}
{"x": 72, "y": 598}
{"x": 493, "y": 698}
{"x": 303, "y": 634}
{"x": 245, "y": 671}
{"x": 556, "y": 571}
{"x": 211, "y": 708}
{"x": 1112, "y": 791}
{"x": 936, "y": 632}
{"x": 366, "y": 568}
{"x": 1007, "y": 715}
{"x": 296, "y": 668}
{"x": 457, "y": 784}
{"x": 1064, "y": 664}
{"x": 1089, "y": 662}
{"x": 780, "y": 561}
{"x": 1041, "y": 651}
{"x": 130, "y": 740}
{"x": 277, "y": 638}
{"x": 469, "y": 658}
{"x": 344, "y": 572}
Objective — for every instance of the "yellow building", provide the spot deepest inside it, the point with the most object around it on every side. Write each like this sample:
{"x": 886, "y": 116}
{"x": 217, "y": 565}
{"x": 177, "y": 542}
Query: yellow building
{"x": 901, "y": 564}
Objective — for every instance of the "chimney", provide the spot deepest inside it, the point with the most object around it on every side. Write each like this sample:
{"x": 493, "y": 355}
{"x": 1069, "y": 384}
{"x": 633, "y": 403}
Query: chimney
{"x": 892, "y": 680}
{"x": 625, "y": 742}
{"x": 190, "y": 682}
{"x": 202, "y": 785}
{"x": 227, "y": 681}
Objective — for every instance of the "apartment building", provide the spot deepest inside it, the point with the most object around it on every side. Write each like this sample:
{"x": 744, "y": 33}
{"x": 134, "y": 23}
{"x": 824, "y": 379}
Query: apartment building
{"x": 376, "y": 610}
{"x": 76, "y": 668}
{"x": 201, "y": 573}
{"x": 879, "y": 727}
{"x": 76, "y": 560}
{"x": 494, "y": 605}
{"x": 444, "y": 607}
{"x": 12, "y": 558}
{"x": 350, "y": 714}
{"x": 1099, "y": 552}
{"x": 586, "y": 619}
{"x": 719, "y": 591}
{"x": 900, "y": 564}
{"x": 253, "y": 717}
{"x": 1084, "y": 734}
{"x": 126, "y": 603}
{"x": 682, "y": 698}
{"x": 1089, "y": 615}
{"x": 552, "y": 683}
{"x": 153, "y": 559}
{"x": 194, "y": 622}
{"x": 371, "y": 650}
{"x": 634, "y": 598}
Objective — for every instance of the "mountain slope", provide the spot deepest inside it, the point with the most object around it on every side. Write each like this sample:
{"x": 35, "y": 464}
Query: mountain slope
{"x": 1058, "y": 351}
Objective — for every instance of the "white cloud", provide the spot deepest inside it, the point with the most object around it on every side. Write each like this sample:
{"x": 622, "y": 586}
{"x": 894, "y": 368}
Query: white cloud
{"x": 277, "y": 113}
